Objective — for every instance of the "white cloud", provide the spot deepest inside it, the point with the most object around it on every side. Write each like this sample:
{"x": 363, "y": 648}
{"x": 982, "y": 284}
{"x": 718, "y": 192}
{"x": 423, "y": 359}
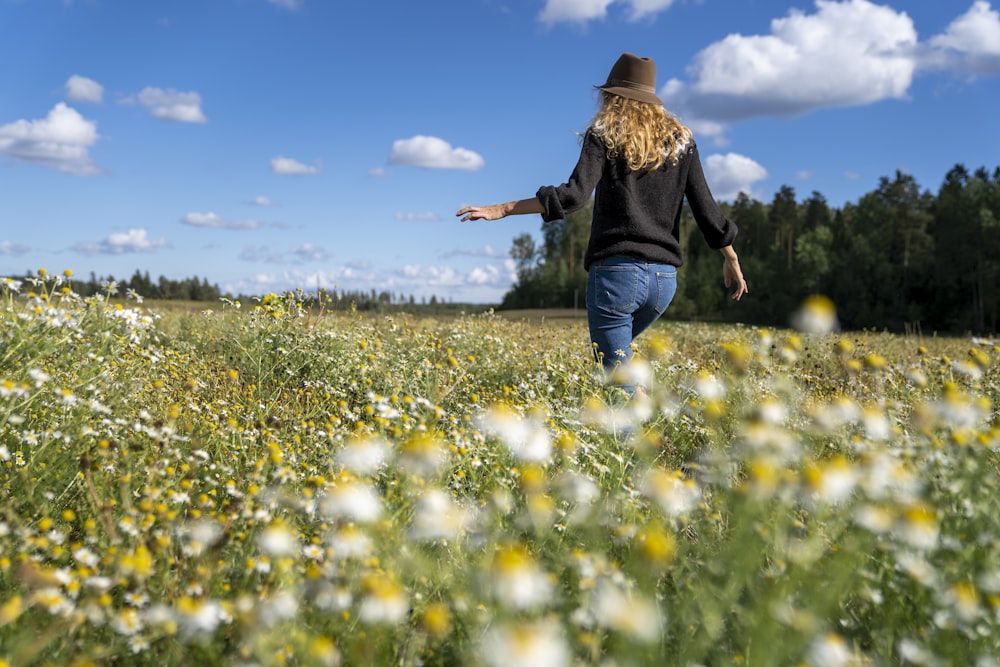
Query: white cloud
{"x": 209, "y": 219}
{"x": 259, "y": 283}
{"x": 482, "y": 284}
{"x": 972, "y": 41}
{"x": 847, "y": 53}
{"x": 288, "y": 167}
{"x": 291, "y": 5}
{"x": 171, "y": 105}
{"x": 62, "y": 141}
{"x": 434, "y": 276}
{"x": 262, "y": 283}
{"x": 483, "y": 275}
{"x": 730, "y": 174}
{"x": 485, "y": 251}
{"x": 492, "y": 276}
{"x": 641, "y": 8}
{"x": 427, "y": 216}
{"x": 433, "y": 153}
{"x": 81, "y": 89}
{"x": 12, "y": 249}
{"x": 581, "y": 11}
{"x": 262, "y": 201}
{"x": 574, "y": 11}
{"x": 977, "y": 31}
{"x": 119, "y": 243}
{"x": 307, "y": 252}
{"x": 446, "y": 277}
{"x": 263, "y": 253}
{"x": 214, "y": 221}
{"x": 301, "y": 254}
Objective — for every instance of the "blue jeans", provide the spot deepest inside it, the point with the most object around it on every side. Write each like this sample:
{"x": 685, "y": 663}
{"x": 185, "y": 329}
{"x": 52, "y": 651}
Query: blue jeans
{"x": 624, "y": 297}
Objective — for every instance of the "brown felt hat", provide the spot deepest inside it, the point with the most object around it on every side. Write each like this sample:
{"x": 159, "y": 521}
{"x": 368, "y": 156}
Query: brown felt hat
{"x": 633, "y": 77}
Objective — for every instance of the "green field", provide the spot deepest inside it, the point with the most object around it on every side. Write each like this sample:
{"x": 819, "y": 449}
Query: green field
{"x": 271, "y": 485}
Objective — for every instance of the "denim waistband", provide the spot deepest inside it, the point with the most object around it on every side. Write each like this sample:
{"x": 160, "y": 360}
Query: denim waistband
{"x": 617, "y": 260}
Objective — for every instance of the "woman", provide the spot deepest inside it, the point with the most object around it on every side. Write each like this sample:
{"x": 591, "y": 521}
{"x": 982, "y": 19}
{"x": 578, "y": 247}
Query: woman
{"x": 640, "y": 163}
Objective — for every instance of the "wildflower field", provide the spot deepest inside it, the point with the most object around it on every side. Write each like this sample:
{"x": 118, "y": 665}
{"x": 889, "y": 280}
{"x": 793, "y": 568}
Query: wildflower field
{"x": 274, "y": 485}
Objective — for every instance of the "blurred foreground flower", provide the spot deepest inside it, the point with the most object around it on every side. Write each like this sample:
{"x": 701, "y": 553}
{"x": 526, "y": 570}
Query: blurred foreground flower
{"x": 816, "y": 315}
{"x": 675, "y": 495}
{"x": 437, "y": 516}
{"x": 526, "y": 438}
{"x": 423, "y": 455}
{"x": 518, "y": 580}
{"x": 352, "y": 500}
{"x": 384, "y": 602}
{"x": 529, "y": 644}
{"x": 919, "y": 527}
{"x": 277, "y": 540}
{"x": 832, "y": 651}
{"x": 625, "y": 612}
{"x": 363, "y": 456}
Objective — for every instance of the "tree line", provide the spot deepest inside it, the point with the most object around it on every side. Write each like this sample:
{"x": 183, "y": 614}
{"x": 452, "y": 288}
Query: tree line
{"x": 200, "y": 290}
{"x": 140, "y": 284}
{"x": 899, "y": 258}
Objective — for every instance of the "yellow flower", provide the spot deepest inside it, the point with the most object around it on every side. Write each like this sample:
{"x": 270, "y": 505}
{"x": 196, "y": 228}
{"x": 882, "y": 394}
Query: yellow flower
{"x": 138, "y": 563}
{"x": 324, "y": 651}
{"x": 844, "y": 346}
{"x": 10, "y": 610}
{"x": 657, "y": 545}
{"x": 738, "y": 355}
{"x": 437, "y": 620}
{"x": 876, "y": 362}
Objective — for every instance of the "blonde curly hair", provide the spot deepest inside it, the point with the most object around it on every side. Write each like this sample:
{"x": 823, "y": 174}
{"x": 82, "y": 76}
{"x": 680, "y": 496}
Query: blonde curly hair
{"x": 646, "y": 135}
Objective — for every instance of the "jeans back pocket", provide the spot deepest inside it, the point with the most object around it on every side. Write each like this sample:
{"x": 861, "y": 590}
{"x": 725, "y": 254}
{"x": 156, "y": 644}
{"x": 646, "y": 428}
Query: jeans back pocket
{"x": 616, "y": 288}
{"x": 666, "y": 288}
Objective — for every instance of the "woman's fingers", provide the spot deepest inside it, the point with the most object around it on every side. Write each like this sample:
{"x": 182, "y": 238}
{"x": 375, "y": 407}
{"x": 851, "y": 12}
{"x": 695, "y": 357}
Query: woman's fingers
{"x": 470, "y": 213}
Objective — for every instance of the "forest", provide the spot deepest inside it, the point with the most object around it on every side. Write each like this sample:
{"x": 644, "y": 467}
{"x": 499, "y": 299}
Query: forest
{"x": 900, "y": 259}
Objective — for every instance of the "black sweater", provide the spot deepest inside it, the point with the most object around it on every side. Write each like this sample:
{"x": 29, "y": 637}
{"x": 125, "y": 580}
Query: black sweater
{"x": 637, "y": 213}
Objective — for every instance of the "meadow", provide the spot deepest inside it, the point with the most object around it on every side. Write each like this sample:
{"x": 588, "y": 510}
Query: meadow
{"x": 271, "y": 483}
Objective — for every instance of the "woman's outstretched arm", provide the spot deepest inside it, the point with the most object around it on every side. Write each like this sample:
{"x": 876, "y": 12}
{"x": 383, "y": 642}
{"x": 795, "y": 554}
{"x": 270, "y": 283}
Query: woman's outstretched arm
{"x": 497, "y": 211}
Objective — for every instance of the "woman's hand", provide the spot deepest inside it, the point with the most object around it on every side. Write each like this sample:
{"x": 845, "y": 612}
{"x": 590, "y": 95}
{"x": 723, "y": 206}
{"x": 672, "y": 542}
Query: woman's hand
{"x": 492, "y": 212}
{"x": 732, "y": 274}
{"x": 497, "y": 211}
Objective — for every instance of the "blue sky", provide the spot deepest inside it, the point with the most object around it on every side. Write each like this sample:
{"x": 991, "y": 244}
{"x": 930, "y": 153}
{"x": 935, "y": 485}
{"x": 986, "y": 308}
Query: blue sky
{"x": 274, "y": 144}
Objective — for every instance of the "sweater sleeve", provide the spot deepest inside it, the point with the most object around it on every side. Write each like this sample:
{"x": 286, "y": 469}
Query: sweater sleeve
{"x": 718, "y": 230}
{"x": 558, "y": 201}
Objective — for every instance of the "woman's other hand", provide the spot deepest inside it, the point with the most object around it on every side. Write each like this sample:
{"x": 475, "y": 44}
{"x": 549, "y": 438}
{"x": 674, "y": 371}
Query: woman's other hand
{"x": 732, "y": 274}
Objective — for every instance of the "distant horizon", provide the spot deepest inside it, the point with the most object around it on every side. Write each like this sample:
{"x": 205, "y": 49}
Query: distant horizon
{"x": 93, "y": 274}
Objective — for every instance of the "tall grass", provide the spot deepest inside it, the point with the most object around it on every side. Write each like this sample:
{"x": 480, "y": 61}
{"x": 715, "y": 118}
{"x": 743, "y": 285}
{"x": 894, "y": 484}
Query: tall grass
{"x": 266, "y": 485}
